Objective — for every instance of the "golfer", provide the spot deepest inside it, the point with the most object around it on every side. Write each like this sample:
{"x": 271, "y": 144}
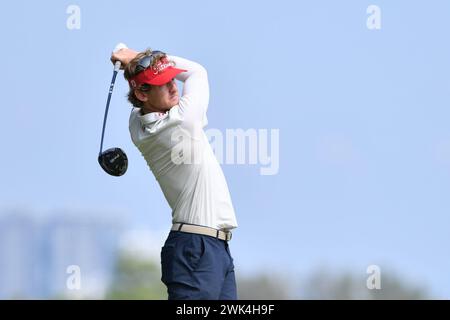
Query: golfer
{"x": 168, "y": 130}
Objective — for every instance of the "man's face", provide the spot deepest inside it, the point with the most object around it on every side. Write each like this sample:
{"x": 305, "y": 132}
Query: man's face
{"x": 161, "y": 98}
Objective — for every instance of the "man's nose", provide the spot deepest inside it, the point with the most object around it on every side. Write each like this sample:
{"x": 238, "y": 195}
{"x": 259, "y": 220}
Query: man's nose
{"x": 171, "y": 85}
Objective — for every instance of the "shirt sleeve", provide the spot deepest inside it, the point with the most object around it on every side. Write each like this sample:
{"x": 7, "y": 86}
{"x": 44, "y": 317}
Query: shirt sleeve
{"x": 194, "y": 101}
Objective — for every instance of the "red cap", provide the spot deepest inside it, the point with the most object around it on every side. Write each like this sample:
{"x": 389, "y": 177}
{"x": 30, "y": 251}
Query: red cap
{"x": 157, "y": 75}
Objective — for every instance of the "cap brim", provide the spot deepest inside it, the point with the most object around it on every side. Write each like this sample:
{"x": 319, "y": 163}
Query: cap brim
{"x": 165, "y": 77}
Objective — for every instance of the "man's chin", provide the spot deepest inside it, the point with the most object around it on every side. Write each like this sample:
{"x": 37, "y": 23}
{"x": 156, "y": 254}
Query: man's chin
{"x": 174, "y": 102}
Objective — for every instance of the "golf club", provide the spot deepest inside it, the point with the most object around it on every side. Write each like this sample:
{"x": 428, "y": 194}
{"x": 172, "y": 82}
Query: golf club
{"x": 114, "y": 161}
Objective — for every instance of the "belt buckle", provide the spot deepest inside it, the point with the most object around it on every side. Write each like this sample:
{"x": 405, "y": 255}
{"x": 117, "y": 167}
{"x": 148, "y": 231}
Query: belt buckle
{"x": 228, "y": 235}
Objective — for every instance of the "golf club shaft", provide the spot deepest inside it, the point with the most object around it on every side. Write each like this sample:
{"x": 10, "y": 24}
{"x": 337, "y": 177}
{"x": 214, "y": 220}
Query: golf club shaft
{"x": 117, "y": 65}
{"x": 111, "y": 87}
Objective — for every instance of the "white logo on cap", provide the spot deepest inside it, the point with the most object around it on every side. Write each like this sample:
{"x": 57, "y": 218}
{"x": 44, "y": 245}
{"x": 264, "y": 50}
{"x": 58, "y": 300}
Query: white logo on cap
{"x": 161, "y": 67}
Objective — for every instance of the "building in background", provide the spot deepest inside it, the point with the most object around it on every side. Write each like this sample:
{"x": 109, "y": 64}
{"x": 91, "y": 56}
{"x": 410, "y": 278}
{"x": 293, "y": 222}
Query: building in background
{"x": 35, "y": 254}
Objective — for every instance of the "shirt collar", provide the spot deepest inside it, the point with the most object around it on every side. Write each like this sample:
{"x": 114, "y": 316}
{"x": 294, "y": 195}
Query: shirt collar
{"x": 151, "y": 117}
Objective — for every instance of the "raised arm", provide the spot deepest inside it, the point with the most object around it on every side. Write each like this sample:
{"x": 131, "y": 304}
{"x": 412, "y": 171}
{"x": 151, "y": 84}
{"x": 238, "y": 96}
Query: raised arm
{"x": 195, "y": 97}
{"x": 193, "y": 103}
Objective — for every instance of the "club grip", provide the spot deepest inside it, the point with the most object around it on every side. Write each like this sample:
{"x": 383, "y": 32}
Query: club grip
{"x": 117, "y": 48}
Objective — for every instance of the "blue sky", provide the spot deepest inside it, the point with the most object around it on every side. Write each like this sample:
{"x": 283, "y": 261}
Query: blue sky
{"x": 363, "y": 116}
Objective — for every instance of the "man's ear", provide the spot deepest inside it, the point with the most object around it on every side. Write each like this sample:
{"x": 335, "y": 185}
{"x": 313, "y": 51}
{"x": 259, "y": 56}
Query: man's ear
{"x": 140, "y": 95}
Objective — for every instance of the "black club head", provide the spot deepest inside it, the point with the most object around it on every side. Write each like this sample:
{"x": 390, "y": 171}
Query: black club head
{"x": 114, "y": 161}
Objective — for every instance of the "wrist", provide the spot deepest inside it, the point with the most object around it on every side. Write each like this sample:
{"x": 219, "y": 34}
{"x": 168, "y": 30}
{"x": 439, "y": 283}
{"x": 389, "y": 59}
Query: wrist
{"x": 130, "y": 56}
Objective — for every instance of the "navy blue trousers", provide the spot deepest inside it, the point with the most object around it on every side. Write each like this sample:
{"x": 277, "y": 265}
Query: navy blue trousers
{"x": 197, "y": 267}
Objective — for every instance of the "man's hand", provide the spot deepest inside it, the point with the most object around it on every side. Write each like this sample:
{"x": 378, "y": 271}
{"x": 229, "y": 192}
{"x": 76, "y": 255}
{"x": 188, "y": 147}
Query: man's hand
{"x": 124, "y": 56}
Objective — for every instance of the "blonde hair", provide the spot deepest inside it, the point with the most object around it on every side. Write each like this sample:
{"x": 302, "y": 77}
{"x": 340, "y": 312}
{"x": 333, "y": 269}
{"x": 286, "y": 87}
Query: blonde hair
{"x": 129, "y": 73}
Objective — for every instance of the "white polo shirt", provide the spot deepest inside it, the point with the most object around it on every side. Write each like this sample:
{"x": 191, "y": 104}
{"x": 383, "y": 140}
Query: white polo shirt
{"x": 178, "y": 153}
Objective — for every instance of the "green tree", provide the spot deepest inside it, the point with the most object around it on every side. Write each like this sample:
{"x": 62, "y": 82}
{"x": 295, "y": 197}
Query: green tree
{"x": 263, "y": 286}
{"x": 347, "y": 285}
{"x": 136, "y": 278}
